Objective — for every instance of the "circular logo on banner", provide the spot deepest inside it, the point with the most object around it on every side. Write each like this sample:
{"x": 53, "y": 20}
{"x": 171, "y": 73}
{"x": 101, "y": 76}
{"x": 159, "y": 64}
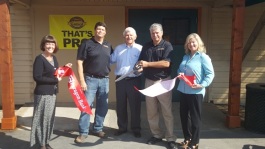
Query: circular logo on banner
{"x": 77, "y": 22}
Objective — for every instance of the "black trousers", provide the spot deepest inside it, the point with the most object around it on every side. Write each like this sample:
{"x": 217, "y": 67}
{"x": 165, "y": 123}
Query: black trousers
{"x": 190, "y": 116}
{"x": 125, "y": 92}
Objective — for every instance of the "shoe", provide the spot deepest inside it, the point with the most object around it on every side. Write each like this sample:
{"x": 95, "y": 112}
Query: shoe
{"x": 196, "y": 146}
{"x": 48, "y": 146}
{"x": 137, "y": 134}
{"x": 119, "y": 132}
{"x": 80, "y": 138}
{"x": 172, "y": 145}
{"x": 153, "y": 140}
{"x": 184, "y": 144}
{"x": 100, "y": 134}
{"x": 42, "y": 147}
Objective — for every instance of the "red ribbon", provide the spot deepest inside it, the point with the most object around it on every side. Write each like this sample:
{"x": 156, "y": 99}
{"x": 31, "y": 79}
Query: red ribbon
{"x": 188, "y": 79}
{"x": 75, "y": 89}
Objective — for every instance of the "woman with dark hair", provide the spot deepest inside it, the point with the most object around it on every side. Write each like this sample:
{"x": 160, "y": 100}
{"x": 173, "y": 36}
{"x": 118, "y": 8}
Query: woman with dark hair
{"x": 44, "y": 67}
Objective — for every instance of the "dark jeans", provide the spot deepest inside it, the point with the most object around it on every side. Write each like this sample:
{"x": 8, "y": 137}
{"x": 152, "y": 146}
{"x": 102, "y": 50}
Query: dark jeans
{"x": 97, "y": 88}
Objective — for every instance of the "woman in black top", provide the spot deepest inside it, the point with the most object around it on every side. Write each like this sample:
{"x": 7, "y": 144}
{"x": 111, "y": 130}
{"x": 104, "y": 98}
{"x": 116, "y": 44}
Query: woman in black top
{"x": 45, "y": 92}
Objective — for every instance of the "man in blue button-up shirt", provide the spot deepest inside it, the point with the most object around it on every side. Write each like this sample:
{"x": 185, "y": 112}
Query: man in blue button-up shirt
{"x": 126, "y": 56}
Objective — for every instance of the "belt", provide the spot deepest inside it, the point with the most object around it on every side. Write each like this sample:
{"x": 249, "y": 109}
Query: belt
{"x": 127, "y": 78}
{"x": 95, "y": 76}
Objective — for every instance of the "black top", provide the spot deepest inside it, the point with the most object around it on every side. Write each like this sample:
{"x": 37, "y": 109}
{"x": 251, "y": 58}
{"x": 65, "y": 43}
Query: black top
{"x": 43, "y": 75}
{"x": 151, "y": 53}
{"x": 96, "y": 57}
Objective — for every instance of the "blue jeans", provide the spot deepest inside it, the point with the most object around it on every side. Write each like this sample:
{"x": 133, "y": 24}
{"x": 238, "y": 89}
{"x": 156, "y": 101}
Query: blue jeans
{"x": 99, "y": 88}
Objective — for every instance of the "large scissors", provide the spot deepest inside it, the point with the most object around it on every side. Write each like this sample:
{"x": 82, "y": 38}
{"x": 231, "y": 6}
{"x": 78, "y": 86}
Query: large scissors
{"x": 134, "y": 71}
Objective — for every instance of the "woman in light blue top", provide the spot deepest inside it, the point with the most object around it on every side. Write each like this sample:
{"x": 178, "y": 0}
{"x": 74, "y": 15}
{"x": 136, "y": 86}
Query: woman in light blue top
{"x": 194, "y": 63}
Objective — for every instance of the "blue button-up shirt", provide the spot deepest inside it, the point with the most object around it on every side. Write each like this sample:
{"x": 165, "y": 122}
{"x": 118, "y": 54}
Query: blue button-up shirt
{"x": 199, "y": 65}
{"x": 125, "y": 58}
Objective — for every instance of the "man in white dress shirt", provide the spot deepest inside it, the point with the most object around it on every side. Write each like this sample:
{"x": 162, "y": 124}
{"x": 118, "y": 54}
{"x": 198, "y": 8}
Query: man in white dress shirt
{"x": 126, "y": 56}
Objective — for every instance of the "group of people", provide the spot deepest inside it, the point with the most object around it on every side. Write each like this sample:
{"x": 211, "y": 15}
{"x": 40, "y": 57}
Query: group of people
{"x": 152, "y": 60}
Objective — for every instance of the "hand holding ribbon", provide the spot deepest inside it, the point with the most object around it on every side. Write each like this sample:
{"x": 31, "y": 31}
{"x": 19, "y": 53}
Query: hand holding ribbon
{"x": 74, "y": 88}
{"x": 189, "y": 80}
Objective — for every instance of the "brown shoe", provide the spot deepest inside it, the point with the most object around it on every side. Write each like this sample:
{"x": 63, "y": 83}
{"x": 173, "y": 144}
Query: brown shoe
{"x": 80, "y": 138}
{"x": 100, "y": 134}
{"x": 48, "y": 146}
{"x": 196, "y": 146}
{"x": 184, "y": 144}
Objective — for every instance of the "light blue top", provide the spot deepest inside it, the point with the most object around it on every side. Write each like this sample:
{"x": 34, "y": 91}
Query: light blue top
{"x": 199, "y": 65}
{"x": 125, "y": 58}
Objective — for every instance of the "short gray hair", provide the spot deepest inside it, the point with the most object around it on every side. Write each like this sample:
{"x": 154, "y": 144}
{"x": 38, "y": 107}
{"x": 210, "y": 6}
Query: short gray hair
{"x": 129, "y": 29}
{"x": 156, "y": 26}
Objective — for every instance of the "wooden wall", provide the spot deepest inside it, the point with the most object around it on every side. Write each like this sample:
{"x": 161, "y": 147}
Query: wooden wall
{"x": 220, "y": 44}
{"x": 21, "y": 30}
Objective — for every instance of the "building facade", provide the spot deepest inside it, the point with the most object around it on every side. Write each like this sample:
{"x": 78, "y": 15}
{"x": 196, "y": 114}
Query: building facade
{"x": 212, "y": 19}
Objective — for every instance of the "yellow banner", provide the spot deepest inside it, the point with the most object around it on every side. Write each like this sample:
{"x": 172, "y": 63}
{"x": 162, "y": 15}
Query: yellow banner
{"x": 69, "y": 30}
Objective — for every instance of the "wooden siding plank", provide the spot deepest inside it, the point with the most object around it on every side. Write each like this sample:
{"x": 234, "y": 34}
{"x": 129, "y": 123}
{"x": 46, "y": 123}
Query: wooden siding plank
{"x": 219, "y": 85}
{"x": 22, "y": 85}
{"x": 20, "y": 79}
{"x": 19, "y": 23}
{"x": 23, "y": 74}
{"x": 22, "y": 68}
{"x": 23, "y": 98}
{"x": 256, "y": 63}
{"x": 22, "y": 52}
{"x": 23, "y": 57}
{"x": 23, "y": 90}
{"x": 22, "y": 39}
{"x": 21, "y": 34}
{"x": 21, "y": 45}
{"x": 19, "y": 63}
{"x": 22, "y": 28}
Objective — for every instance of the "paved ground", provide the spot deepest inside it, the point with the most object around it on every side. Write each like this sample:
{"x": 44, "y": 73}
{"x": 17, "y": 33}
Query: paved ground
{"x": 214, "y": 134}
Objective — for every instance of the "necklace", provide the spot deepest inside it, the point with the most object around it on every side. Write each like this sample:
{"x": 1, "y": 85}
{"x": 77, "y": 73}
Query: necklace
{"x": 49, "y": 58}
